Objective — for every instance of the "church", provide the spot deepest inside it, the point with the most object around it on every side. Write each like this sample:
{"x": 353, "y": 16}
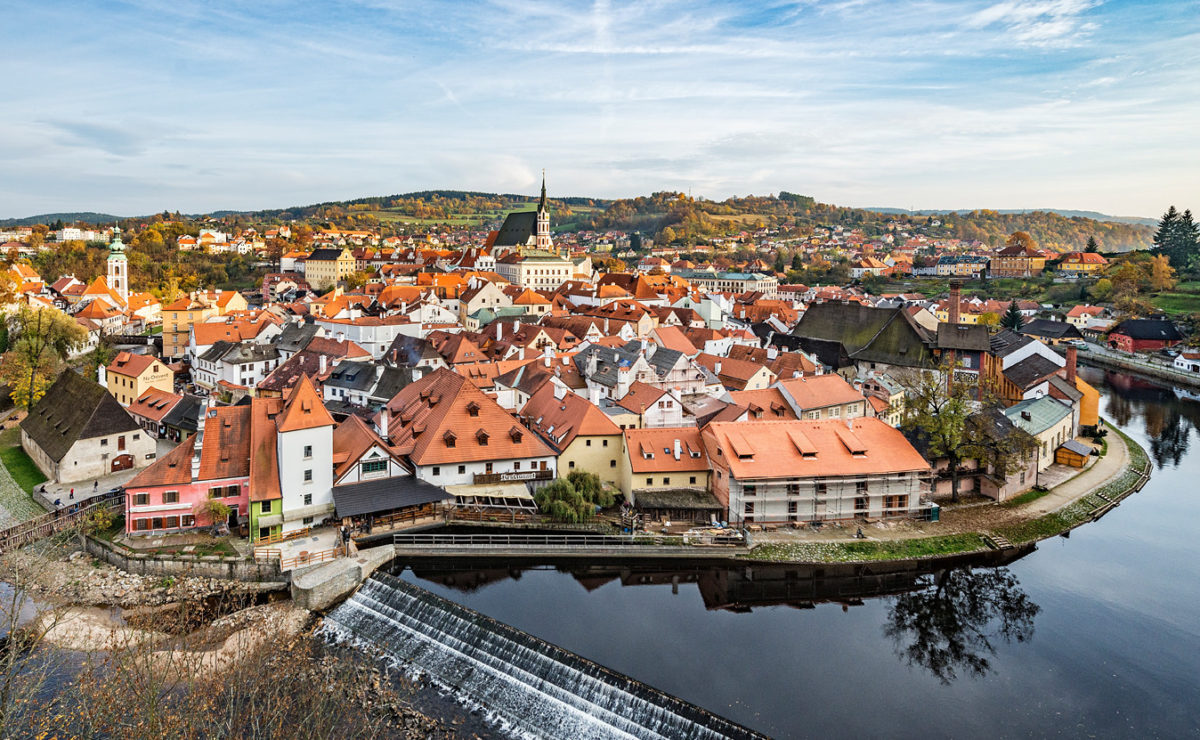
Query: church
{"x": 526, "y": 231}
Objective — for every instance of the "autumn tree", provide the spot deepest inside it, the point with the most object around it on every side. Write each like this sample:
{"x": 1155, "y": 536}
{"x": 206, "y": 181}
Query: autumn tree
{"x": 42, "y": 338}
{"x": 1102, "y": 290}
{"x": 936, "y": 408}
{"x": 1162, "y": 275}
{"x": 1021, "y": 239}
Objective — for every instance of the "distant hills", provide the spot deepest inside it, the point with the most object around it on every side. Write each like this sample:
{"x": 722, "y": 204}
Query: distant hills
{"x": 90, "y": 217}
{"x": 1064, "y": 212}
{"x": 677, "y": 218}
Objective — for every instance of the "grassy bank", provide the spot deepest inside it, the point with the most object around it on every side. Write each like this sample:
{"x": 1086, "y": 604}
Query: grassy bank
{"x": 16, "y": 488}
{"x": 841, "y": 552}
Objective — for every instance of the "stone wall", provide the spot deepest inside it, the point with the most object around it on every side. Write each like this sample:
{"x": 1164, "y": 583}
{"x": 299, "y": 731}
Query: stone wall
{"x": 205, "y": 566}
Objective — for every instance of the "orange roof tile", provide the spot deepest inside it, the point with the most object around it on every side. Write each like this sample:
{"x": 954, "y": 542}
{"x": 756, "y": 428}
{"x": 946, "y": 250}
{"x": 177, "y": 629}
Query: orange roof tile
{"x": 653, "y": 450}
{"x": 304, "y": 409}
{"x": 561, "y": 419}
{"x": 808, "y": 449}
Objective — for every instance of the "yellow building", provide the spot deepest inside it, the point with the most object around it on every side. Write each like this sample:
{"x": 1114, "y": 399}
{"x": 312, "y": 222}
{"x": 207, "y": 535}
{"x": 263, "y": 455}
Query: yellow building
{"x": 198, "y": 307}
{"x": 324, "y": 268}
{"x": 128, "y": 376}
{"x": 663, "y": 459}
{"x": 582, "y": 435}
{"x": 1083, "y": 263}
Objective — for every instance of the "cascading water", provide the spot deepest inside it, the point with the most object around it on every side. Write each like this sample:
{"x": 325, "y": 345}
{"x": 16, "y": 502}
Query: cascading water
{"x": 536, "y": 688}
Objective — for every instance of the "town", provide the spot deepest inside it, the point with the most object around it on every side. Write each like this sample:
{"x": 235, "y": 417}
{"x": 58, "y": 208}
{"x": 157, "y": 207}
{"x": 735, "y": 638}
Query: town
{"x": 372, "y": 384}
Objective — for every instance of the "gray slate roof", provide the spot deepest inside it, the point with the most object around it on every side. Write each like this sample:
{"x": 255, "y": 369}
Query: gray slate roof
{"x": 385, "y": 494}
{"x": 1051, "y": 329}
{"x": 74, "y": 408}
{"x": 1030, "y": 370}
{"x": 969, "y": 337}
{"x": 517, "y": 230}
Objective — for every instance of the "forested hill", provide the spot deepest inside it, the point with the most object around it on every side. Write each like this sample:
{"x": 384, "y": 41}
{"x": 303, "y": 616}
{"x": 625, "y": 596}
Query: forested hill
{"x": 678, "y": 218}
{"x": 86, "y": 217}
{"x": 686, "y": 219}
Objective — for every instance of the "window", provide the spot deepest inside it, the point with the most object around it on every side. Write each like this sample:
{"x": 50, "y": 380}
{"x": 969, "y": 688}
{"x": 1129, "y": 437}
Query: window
{"x": 264, "y": 507}
{"x": 860, "y": 504}
{"x": 517, "y": 465}
{"x": 140, "y": 525}
{"x": 104, "y": 443}
{"x": 171, "y": 522}
{"x": 307, "y": 452}
{"x": 822, "y": 490}
{"x": 814, "y": 414}
{"x": 860, "y": 487}
{"x": 462, "y": 469}
{"x": 187, "y": 521}
{"x": 308, "y": 475}
{"x": 791, "y": 507}
{"x": 141, "y": 499}
{"x": 263, "y": 532}
{"x": 895, "y": 502}
{"x": 692, "y": 479}
{"x": 748, "y": 507}
{"x": 749, "y": 490}
{"x": 588, "y": 443}
{"x": 487, "y": 468}
{"x": 308, "y": 499}
{"x": 612, "y": 463}
{"x": 666, "y": 481}
{"x": 571, "y": 464}
{"x": 136, "y": 437}
{"x": 374, "y": 466}
{"x": 308, "y": 520}
{"x": 604, "y": 443}
{"x": 793, "y": 489}
{"x": 437, "y": 470}
{"x": 170, "y": 497}
{"x": 649, "y": 481}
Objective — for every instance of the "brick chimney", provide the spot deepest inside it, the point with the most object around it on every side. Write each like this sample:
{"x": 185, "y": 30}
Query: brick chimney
{"x": 955, "y": 300}
{"x": 1071, "y": 357}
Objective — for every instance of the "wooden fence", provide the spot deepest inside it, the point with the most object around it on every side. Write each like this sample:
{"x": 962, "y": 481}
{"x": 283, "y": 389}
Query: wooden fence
{"x": 54, "y": 522}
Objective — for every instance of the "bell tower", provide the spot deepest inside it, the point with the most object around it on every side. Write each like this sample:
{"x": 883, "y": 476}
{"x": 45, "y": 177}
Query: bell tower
{"x": 542, "y": 235}
{"x": 118, "y": 267}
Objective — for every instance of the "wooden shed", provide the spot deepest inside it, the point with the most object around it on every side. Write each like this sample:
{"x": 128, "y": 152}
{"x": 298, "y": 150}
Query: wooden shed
{"x": 1072, "y": 453}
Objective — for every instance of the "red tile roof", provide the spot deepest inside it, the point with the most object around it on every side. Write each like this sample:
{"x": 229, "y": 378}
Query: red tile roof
{"x": 653, "y": 450}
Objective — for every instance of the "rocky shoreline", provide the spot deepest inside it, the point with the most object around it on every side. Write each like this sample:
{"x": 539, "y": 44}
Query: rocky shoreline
{"x": 193, "y": 626}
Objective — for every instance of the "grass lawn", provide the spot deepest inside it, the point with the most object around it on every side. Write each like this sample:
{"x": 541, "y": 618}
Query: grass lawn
{"x": 1024, "y": 498}
{"x": 152, "y": 331}
{"x": 18, "y": 479}
{"x": 1177, "y": 303}
{"x": 19, "y": 465}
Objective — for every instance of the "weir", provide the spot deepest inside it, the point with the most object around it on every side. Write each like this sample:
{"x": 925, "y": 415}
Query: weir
{"x": 539, "y": 689}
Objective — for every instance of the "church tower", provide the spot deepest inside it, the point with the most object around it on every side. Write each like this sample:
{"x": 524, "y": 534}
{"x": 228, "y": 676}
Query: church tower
{"x": 542, "y": 236}
{"x": 118, "y": 267}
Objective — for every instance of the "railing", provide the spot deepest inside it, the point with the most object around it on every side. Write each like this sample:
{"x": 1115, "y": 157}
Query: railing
{"x": 266, "y": 555}
{"x": 560, "y": 541}
{"x": 45, "y": 525}
{"x": 282, "y": 537}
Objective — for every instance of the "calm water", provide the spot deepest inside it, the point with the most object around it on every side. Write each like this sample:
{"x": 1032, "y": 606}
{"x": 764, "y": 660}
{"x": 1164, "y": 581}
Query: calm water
{"x": 1096, "y": 635}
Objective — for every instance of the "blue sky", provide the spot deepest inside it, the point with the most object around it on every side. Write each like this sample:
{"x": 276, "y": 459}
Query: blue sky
{"x": 133, "y": 107}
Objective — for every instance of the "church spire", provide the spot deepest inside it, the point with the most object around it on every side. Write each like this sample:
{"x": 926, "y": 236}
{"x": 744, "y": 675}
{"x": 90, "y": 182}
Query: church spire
{"x": 542, "y": 202}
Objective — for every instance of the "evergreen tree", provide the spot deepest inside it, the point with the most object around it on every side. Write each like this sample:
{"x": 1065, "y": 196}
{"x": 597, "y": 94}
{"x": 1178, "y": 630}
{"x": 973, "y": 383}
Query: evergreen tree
{"x": 1168, "y": 228}
{"x": 797, "y": 263}
{"x": 1092, "y": 246}
{"x": 1188, "y": 242}
{"x": 1012, "y": 318}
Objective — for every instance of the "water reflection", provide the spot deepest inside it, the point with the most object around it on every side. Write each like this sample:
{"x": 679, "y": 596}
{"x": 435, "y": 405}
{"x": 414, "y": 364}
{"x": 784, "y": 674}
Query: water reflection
{"x": 1168, "y": 415}
{"x": 952, "y": 624}
{"x": 945, "y": 617}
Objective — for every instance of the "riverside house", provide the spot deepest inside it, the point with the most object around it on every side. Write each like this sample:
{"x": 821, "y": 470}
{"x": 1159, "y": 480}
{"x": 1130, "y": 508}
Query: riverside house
{"x": 806, "y": 471}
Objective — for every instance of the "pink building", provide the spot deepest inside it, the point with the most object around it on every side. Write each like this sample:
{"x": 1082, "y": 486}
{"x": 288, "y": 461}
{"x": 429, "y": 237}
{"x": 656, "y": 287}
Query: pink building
{"x": 213, "y": 464}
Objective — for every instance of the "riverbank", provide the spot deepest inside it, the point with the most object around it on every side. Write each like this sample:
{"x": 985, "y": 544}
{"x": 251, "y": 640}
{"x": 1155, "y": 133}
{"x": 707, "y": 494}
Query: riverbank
{"x": 171, "y": 646}
{"x": 972, "y": 526}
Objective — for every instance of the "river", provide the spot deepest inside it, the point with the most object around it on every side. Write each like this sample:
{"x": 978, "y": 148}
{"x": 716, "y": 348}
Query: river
{"x": 1093, "y": 635}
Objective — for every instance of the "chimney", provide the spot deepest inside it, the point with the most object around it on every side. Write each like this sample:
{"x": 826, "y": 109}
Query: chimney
{"x": 499, "y": 330}
{"x": 383, "y": 424}
{"x": 678, "y": 450}
{"x": 594, "y": 395}
{"x": 1071, "y": 357}
{"x": 324, "y": 360}
{"x": 717, "y": 369}
{"x": 547, "y": 356}
{"x": 955, "y": 299}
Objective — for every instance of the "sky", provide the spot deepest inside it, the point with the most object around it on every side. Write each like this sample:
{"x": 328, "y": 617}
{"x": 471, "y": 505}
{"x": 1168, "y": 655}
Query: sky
{"x": 136, "y": 107}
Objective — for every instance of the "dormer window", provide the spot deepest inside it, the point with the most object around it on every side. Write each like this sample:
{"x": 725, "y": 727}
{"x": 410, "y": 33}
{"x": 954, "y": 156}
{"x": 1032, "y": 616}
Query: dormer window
{"x": 481, "y": 437}
{"x": 516, "y": 434}
{"x": 450, "y": 438}
{"x": 473, "y": 409}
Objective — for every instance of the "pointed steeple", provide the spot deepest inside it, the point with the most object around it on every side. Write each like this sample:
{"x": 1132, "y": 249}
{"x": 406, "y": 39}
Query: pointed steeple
{"x": 542, "y": 201}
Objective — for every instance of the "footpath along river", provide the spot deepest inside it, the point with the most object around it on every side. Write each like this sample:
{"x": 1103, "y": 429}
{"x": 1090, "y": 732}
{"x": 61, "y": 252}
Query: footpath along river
{"x": 1092, "y": 636}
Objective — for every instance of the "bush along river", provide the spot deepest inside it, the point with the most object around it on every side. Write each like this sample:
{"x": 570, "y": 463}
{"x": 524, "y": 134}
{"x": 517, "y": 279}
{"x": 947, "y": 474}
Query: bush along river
{"x": 1093, "y": 634}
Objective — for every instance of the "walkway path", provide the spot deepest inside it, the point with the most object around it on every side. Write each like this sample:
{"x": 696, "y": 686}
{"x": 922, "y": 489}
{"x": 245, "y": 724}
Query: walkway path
{"x": 1104, "y": 470}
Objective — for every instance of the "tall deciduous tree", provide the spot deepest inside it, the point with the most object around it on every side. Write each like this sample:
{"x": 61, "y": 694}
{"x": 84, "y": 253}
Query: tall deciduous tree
{"x": 42, "y": 340}
{"x": 1162, "y": 275}
{"x": 936, "y": 408}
